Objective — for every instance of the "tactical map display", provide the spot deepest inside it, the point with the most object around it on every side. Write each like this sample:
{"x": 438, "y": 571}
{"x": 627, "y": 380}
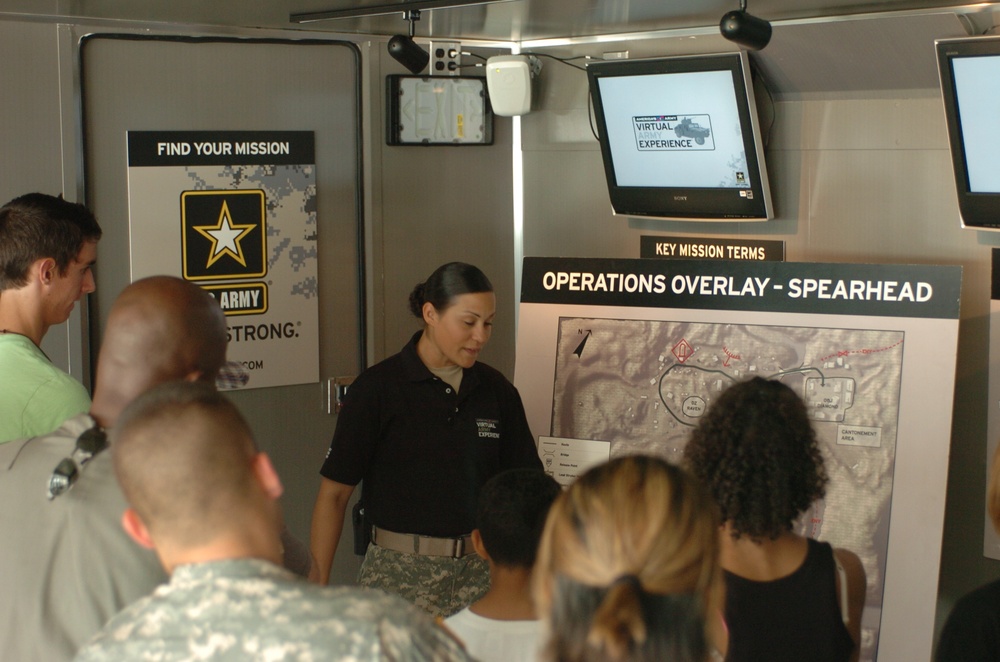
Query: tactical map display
{"x": 643, "y": 385}
{"x": 619, "y": 356}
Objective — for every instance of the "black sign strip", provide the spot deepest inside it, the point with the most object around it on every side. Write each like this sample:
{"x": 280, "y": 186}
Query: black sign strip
{"x": 919, "y": 291}
{"x": 682, "y": 248}
{"x": 183, "y": 148}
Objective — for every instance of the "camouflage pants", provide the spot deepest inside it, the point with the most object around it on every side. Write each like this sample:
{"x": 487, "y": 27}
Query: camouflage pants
{"x": 438, "y": 584}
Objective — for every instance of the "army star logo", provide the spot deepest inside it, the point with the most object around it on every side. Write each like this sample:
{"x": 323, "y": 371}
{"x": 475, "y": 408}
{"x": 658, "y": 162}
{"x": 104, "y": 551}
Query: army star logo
{"x": 225, "y": 237}
{"x": 224, "y": 234}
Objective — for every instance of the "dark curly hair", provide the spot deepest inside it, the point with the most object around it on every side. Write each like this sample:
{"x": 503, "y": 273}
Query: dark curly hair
{"x": 757, "y": 452}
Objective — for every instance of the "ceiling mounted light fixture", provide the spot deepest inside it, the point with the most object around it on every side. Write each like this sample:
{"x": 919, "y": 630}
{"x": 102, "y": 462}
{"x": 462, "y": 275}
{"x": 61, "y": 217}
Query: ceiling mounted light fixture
{"x": 352, "y": 9}
{"x": 407, "y": 52}
{"x": 746, "y": 30}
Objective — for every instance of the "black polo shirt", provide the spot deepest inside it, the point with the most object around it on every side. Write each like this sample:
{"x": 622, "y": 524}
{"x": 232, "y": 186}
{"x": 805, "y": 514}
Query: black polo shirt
{"x": 422, "y": 450}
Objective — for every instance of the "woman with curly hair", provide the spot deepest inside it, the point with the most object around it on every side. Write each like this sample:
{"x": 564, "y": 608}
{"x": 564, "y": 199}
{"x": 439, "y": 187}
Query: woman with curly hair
{"x": 627, "y": 566}
{"x": 787, "y": 597}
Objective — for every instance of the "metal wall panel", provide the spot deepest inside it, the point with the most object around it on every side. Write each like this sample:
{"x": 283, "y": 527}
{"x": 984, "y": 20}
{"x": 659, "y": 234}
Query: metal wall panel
{"x": 441, "y": 204}
{"x": 857, "y": 177}
{"x": 32, "y": 155}
{"x": 187, "y": 84}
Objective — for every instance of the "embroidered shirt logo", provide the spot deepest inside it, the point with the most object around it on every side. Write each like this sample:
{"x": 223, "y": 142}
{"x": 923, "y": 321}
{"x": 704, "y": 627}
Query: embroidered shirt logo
{"x": 488, "y": 428}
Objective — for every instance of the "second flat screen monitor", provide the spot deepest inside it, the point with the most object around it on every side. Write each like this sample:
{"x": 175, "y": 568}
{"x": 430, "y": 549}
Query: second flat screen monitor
{"x": 679, "y": 138}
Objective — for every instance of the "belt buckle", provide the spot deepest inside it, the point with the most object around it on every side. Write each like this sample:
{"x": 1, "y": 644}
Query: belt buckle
{"x": 458, "y": 548}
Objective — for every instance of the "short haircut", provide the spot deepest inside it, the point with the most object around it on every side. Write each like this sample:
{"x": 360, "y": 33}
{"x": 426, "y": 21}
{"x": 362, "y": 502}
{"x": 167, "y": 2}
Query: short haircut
{"x": 183, "y": 457}
{"x": 162, "y": 327}
{"x": 511, "y": 514}
{"x": 628, "y": 565}
{"x": 37, "y": 226}
{"x": 757, "y": 451}
{"x": 447, "y": 282}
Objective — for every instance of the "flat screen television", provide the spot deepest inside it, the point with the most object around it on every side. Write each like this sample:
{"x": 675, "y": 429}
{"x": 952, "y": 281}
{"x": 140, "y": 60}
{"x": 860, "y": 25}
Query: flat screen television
{"x": 969, "y": 69}
{"x": 680, "y": 138}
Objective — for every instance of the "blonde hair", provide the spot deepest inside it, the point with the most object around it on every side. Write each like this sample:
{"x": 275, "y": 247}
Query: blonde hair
{"x": 627, "y": 566}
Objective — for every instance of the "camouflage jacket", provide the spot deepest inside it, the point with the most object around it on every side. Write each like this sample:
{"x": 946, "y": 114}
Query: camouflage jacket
{"x": 249, "y": 609}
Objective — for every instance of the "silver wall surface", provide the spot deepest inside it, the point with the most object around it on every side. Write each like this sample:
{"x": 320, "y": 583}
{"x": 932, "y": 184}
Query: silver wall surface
{"x": 423, "y": 206}
{"x": 441, "y": 204}
{"x": 136, "y": 82}
{"x": 860, "y": 176}
{"x": 39, "y": 147}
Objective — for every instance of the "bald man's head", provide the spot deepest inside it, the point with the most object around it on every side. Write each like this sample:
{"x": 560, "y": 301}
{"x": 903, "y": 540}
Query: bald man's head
{"x": 160, "y": 329}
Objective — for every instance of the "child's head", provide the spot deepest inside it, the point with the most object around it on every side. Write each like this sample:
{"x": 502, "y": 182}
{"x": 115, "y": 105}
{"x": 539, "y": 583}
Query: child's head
{"x": 511, "y": 514}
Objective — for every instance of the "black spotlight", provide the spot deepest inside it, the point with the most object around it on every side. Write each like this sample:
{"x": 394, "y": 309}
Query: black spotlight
{"x": 407, "y": 52}
{"x": 746, "y": 30}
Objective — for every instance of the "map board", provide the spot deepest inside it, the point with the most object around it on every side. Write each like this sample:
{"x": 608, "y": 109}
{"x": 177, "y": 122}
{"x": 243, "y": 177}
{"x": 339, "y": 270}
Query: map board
{"x": 624, "y": 356}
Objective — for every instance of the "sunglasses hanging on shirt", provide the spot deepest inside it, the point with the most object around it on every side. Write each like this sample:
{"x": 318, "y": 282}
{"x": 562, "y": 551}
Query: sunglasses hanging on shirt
{"x": 64, "y": 476}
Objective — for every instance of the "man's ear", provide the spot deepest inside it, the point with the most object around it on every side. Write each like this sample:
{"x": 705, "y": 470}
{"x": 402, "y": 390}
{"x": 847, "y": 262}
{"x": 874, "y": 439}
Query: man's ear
{"x": 266, "y": 476}
{"x": 45, "y": 269}
{"x": 136, "y": 529}
{"x": 477, "y": 544}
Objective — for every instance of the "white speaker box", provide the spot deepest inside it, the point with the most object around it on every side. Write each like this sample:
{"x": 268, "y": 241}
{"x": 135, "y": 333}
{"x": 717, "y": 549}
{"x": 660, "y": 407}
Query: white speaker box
{"x": 508, "y": 79}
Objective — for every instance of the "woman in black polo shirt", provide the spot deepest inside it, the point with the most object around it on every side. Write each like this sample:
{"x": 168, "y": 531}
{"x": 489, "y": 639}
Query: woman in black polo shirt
{"x": 424, "y": 429}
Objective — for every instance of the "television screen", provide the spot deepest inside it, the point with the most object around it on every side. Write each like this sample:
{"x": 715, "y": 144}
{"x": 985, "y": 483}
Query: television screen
{"x": 970, "y": 87}
{"x": 680, "y": 138}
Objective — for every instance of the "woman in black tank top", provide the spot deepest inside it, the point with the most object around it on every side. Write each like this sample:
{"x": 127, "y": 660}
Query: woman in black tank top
{"x": 787, "y": 597}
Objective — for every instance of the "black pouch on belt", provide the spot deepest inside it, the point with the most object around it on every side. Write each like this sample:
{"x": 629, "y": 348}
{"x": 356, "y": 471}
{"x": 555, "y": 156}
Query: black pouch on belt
{"x": 362, "y": 529}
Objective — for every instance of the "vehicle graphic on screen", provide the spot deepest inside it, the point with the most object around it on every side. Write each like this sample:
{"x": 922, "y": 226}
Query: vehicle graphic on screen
{"x": 691, "y": 129}
{"x": 673, "y": 133}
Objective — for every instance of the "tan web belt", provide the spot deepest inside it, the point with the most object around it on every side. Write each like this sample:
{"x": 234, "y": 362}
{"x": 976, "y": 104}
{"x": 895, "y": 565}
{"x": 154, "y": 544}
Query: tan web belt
{"x": 410, "y": 543}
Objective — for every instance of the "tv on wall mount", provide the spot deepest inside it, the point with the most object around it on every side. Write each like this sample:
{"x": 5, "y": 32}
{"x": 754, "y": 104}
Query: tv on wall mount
{"x": 680, "y": 138}
{"x": 969, "y": 70}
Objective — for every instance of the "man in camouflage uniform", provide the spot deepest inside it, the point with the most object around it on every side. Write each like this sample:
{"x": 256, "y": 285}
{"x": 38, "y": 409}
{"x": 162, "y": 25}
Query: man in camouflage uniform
{"x": 202, "y": 495}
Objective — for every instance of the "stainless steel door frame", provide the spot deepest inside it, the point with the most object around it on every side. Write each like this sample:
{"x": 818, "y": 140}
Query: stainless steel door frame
{"x": 150, "y": 82}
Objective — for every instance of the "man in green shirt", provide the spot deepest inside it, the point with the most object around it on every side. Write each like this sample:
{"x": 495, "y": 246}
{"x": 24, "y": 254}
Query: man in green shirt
{"x": 48, "y": 247}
